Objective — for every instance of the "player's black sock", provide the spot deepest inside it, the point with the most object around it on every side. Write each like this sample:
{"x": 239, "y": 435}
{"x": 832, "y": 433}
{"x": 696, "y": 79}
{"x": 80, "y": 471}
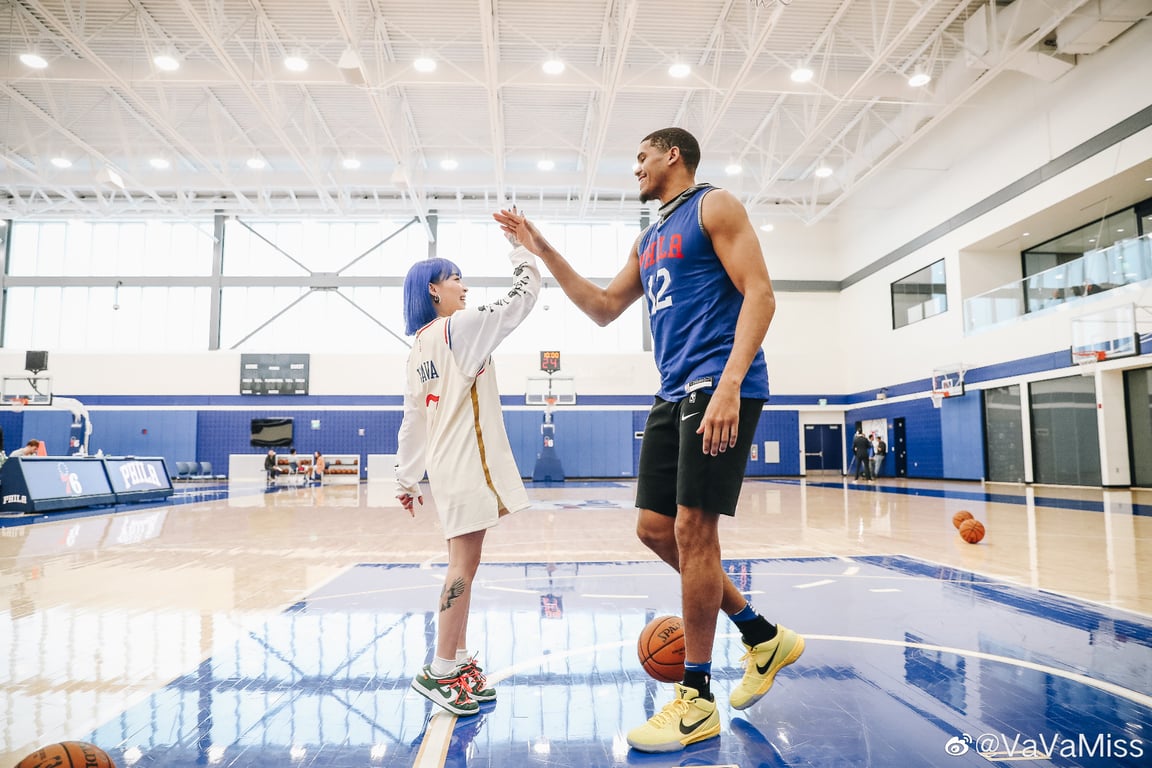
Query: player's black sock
{"x": 756, "y": 631}
{"x": 700, "y": 680}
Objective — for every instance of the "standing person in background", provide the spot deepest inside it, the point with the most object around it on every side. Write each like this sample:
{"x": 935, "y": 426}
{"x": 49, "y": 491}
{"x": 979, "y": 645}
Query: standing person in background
{"x": 860, "y": 449}
{"x": 879, "y": 451}
{"x": 453, "y": 427}
{"x": 710, "y": 302}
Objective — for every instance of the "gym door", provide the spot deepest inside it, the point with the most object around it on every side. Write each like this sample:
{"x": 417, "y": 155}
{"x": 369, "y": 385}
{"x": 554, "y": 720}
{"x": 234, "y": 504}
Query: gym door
{"x": 899, "y": 447}
{"x": 823, "y": 447}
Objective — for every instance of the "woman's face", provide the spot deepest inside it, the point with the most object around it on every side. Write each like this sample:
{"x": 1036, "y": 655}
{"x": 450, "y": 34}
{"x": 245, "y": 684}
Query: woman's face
{"x": 451, "y": 292}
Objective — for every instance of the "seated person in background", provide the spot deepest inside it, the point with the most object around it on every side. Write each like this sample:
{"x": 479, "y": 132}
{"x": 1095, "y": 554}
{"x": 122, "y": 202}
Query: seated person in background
{"x": 293, "y": 464}
{"x": 270, "y": 466}
{"x": 317, "y": 466}
{"x": 31, "y": 449}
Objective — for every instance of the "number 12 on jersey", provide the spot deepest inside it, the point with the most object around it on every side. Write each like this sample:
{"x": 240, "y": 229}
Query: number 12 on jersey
{"x": 659, "y": 290}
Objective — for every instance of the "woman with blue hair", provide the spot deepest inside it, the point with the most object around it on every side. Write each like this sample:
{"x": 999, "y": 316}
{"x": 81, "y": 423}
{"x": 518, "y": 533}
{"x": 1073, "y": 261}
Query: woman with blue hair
{"x": 453, "y": 427}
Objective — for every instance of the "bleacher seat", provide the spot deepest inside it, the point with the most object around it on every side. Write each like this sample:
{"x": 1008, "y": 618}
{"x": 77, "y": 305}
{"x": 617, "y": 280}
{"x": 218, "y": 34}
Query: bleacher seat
{"x": 184, "y": 470}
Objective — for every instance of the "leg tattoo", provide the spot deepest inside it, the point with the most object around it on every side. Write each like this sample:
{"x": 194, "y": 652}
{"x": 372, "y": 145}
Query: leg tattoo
{"x": 451, "y": 594}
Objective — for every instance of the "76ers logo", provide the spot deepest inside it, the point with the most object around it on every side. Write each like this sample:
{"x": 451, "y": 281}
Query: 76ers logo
{"x": 70, "y": 479}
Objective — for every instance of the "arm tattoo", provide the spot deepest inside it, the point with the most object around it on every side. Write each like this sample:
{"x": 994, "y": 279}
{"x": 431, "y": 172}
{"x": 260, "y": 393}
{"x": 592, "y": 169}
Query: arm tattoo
{"x": 451, "y": 593}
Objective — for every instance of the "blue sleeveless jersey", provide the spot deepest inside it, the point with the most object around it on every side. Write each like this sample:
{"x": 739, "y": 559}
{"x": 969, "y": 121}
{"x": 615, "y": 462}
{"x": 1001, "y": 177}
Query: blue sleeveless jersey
{"x": 692, "y": 306}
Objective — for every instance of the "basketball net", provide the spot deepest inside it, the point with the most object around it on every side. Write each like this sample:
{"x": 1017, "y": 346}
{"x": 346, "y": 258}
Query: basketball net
{"x": 938, "y": 397}
{"x": 549, "y": 404}
{"x": 1086, "y": 361}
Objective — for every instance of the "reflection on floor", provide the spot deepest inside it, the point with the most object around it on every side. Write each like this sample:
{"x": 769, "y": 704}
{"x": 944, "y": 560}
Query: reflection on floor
{"x": 259, "y": 630}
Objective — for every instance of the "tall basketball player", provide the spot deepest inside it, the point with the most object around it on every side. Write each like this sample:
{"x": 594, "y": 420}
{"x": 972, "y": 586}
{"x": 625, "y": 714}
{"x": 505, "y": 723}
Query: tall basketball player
{"x": 710, "y": 302}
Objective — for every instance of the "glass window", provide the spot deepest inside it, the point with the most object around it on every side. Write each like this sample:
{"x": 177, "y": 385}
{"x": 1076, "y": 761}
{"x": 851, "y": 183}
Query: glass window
{"x": 1090, "y": 237}
{"x": 274, "y": 317}
{"x": 920, "y": 295}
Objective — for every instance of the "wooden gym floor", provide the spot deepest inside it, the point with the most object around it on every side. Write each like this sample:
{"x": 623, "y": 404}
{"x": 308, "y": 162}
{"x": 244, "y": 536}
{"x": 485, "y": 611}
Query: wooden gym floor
{"x": 242, "y": 626}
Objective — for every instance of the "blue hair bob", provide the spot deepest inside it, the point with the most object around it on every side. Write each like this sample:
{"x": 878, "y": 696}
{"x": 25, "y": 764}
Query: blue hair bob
{"x": 418, "y": 307}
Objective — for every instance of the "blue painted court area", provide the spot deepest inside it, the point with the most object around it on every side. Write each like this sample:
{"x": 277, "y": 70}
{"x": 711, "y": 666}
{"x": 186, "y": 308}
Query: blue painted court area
{"x": 907, "y": 664}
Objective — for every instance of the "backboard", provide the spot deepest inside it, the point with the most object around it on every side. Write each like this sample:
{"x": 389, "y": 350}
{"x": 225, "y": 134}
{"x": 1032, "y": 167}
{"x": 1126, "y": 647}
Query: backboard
{"x": 19, "y": 391}
{"x": 540, "y": 389}
{"x": 948, "y": 381}
{"x": 1105, "y": 335}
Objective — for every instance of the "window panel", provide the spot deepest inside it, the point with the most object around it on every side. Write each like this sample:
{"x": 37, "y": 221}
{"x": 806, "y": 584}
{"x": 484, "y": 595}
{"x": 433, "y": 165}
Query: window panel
{"x": 105, "y": 247}
{"x": 18, "y": 317}
{"x": 78, "y": 248}
{"x": 921, "y": 295}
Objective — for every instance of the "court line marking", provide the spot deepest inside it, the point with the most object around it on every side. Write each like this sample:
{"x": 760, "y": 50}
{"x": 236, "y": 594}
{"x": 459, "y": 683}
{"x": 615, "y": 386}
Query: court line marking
{"x": 1112, "y": 688}
{"x": 821, "y": 583}
{"x": 425, "y": 759}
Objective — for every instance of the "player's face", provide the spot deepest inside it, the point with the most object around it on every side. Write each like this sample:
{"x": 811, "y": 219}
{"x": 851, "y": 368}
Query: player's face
{"x": 452, "y": 293}
{"x": 649, "y": 170}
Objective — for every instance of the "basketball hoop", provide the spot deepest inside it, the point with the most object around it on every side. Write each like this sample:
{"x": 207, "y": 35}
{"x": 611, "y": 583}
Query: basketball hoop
{"x": 938, "y": 397}
{"x": 1086, "y": 360}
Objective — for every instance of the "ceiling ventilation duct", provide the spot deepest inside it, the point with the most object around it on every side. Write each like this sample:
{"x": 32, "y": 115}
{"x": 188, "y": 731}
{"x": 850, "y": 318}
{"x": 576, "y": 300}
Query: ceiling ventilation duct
{"x": 1098, "y": 23}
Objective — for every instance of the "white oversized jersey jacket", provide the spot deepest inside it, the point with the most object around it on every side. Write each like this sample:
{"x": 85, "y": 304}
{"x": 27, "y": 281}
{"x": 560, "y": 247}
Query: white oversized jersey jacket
{"x": 453, "y": 424}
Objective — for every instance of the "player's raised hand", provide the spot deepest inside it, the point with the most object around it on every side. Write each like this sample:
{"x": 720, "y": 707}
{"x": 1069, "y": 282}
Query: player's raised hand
{"x": 519, "y": 230}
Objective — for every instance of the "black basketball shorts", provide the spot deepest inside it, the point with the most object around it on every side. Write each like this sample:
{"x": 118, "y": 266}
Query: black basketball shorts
{"x": 674, "y": 468}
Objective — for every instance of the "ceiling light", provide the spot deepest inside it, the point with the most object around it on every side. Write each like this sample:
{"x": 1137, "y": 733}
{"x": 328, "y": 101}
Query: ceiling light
{"x": 823, "y": 172}
{"x": 546, "y": 165}
{"x": 424, "y": 64}
{"x": 1026, "y": 234}
{"x": 919, "y": 79}
{"x": 61, "y": 162}
{"x": 801, "y": 74}
{"x": 1120, "y": 230}
{"x": 296, "y": 63}
{"x": 350, "y": 163}
{"x": 449, "y": 164}
{"x": 732, "y": 169}
{"x": 166, "y": 62}
{"x": 553, "y": 66}
{"x": 256, "y": 163}
{"x": 1091, "y": 239}
{"x": 1148, "y": 179}
{"x": 159, "y": 163}
{"x": 679, "y": 69}
{"x": 33, "y": 60}
{"x": 766, "y": 227}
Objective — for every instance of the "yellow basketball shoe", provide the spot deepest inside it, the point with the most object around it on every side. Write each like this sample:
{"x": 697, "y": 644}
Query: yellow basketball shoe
{"x": 762, "y": 662}
{"x": 686, "y": 719}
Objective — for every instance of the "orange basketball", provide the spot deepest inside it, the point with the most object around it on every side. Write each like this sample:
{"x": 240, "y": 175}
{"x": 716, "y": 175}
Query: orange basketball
{"x": 80, "y": 754}
{"x": 661, "y": 649}
{"x": 960, "y": 517}
{"x": 971, "y": 531}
